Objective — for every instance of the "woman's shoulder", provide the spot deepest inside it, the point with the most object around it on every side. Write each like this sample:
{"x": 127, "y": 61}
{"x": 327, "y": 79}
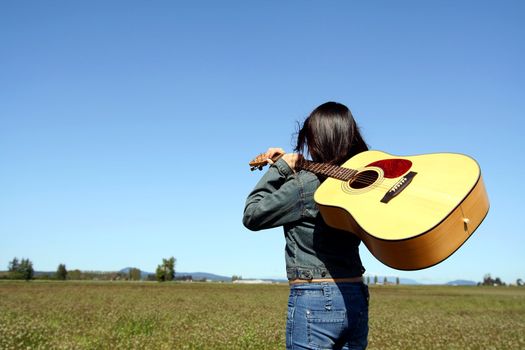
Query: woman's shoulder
{"x": 307, "y": 178}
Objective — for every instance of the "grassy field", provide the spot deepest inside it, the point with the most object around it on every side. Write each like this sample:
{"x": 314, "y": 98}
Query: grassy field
{"x": 127, "y": 315}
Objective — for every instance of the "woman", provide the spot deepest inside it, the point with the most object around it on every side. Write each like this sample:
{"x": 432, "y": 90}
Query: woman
{"x": 328, "y": 303}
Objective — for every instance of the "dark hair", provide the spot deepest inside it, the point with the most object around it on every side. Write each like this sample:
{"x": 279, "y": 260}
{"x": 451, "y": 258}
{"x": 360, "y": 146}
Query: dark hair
{"x": 330, "y": 135}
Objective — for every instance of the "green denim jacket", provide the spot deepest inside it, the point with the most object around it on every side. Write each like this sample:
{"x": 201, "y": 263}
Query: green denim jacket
{"x": 313, "y": 249}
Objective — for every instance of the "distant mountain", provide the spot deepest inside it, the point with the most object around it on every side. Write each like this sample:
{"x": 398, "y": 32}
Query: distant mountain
{"x": 195, "y": 275}
{"x": 461, "y": 283}
{"x": 143, "y": 274}
{"x": 43, "y": 273}
{"x": 408, "y": 281}
{"x": 204, "y": 275}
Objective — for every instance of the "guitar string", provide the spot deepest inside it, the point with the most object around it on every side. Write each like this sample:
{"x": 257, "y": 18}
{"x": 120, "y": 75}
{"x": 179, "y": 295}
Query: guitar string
{"x": 367, "y": 180}
{"x": 334, "y": 170}
{"x": 386, "y": 184}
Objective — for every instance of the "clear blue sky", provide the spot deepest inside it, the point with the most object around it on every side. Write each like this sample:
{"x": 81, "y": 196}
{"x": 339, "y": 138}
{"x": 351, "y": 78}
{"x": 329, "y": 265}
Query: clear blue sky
{"x": 126, "y": 126}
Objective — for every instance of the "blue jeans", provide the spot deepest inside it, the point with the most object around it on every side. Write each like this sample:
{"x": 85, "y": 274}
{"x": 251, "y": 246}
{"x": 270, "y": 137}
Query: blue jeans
{"x": 327, "y": 316}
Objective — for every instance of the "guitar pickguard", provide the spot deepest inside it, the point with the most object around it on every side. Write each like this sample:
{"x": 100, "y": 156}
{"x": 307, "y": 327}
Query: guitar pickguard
{"x": 393, "y": 168}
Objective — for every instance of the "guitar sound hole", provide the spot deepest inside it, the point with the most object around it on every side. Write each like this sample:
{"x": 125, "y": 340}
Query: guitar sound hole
{"x": 364, "y": 179}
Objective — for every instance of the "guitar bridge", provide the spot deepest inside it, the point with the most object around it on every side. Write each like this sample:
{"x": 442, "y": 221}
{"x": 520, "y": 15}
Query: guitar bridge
{"x": 398, "y": 187}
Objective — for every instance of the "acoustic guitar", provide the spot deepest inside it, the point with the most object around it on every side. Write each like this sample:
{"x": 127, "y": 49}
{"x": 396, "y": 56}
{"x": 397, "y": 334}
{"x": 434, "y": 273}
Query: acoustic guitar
{"x": 411, "y": 212}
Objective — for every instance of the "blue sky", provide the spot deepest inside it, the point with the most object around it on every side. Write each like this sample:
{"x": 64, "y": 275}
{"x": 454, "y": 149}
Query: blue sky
{"x": 126, "y": 126}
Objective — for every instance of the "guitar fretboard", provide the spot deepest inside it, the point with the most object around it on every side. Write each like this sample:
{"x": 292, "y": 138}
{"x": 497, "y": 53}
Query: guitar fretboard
{"x": 328, "y": 170}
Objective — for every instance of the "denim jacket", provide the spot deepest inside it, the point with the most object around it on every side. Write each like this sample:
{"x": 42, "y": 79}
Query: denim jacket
{"x": 313, "y": 249}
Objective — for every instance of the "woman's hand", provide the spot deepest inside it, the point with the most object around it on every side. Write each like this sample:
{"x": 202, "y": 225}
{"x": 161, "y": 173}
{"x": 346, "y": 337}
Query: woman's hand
{"x": 290, "y": 158}
{"x": 273, "y": 152}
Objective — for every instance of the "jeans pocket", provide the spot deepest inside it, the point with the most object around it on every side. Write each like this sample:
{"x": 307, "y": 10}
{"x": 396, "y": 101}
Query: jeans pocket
{"x": 325, "y": 327}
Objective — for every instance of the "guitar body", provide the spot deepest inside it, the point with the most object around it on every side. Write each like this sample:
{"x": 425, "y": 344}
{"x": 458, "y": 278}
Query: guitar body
{"x": 411, "y": 212}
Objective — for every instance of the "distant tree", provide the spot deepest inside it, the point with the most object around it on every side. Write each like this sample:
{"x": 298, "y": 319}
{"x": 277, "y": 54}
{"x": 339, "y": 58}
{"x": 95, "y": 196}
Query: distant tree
{"x": 489, "y": 281}
{"x": 166, "y": 271}
{"x": 160, "y": 274}
{"x": 375, "y": 279}
{"x": 13, "y": 265}
{"x": 22, "y": 270}
{"x": 26, "y": 269}
{"x": 170, "y": 269}
{"x": 519, "y": 282}
{"x": 385, "y": 281}
{"x": 397, "y": 281}
{"x": 236, "y": 278}
{"x": 13, "y": 269}
{"x": 61, "y": 273}
{"x": 367, "y": 279}
{"x": 135, "y": 274}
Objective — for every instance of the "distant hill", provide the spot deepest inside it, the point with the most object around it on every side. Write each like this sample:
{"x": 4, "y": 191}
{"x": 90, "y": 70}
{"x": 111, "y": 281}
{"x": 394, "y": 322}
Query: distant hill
{"x": 407, "y": 281}
{"x": 461, "y": 283}
{"x": 195, "y": 275}
{"x": 204, "y": 275}
{"x": 143, "y": 274}
{"x": 43, "y": 273}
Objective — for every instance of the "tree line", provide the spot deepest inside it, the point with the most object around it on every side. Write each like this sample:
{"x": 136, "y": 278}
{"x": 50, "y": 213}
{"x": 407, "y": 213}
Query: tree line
{"x": 489, "y": 281}
{"x": 22, "y": 269}
{"x": 385, "y": 280}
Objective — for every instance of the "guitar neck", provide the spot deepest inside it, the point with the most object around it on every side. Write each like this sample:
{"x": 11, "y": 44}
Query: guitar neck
{"x": 324, "y": 169}
{"x": 327, "y": 170}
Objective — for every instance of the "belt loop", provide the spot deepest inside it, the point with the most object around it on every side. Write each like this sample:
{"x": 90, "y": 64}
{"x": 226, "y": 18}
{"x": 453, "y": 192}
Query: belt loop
{"x": 327, "y": 292}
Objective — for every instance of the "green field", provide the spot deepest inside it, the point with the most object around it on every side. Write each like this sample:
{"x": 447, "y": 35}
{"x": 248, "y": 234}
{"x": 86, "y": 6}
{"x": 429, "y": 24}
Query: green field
{"x": 128, "y": 315}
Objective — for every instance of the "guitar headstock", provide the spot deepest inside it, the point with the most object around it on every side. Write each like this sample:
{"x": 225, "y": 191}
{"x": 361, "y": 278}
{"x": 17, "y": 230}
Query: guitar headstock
{"x": 261, "y": 160}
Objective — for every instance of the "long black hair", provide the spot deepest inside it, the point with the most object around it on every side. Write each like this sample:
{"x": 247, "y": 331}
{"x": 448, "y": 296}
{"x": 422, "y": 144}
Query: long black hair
{"x": 330, "y": 135}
